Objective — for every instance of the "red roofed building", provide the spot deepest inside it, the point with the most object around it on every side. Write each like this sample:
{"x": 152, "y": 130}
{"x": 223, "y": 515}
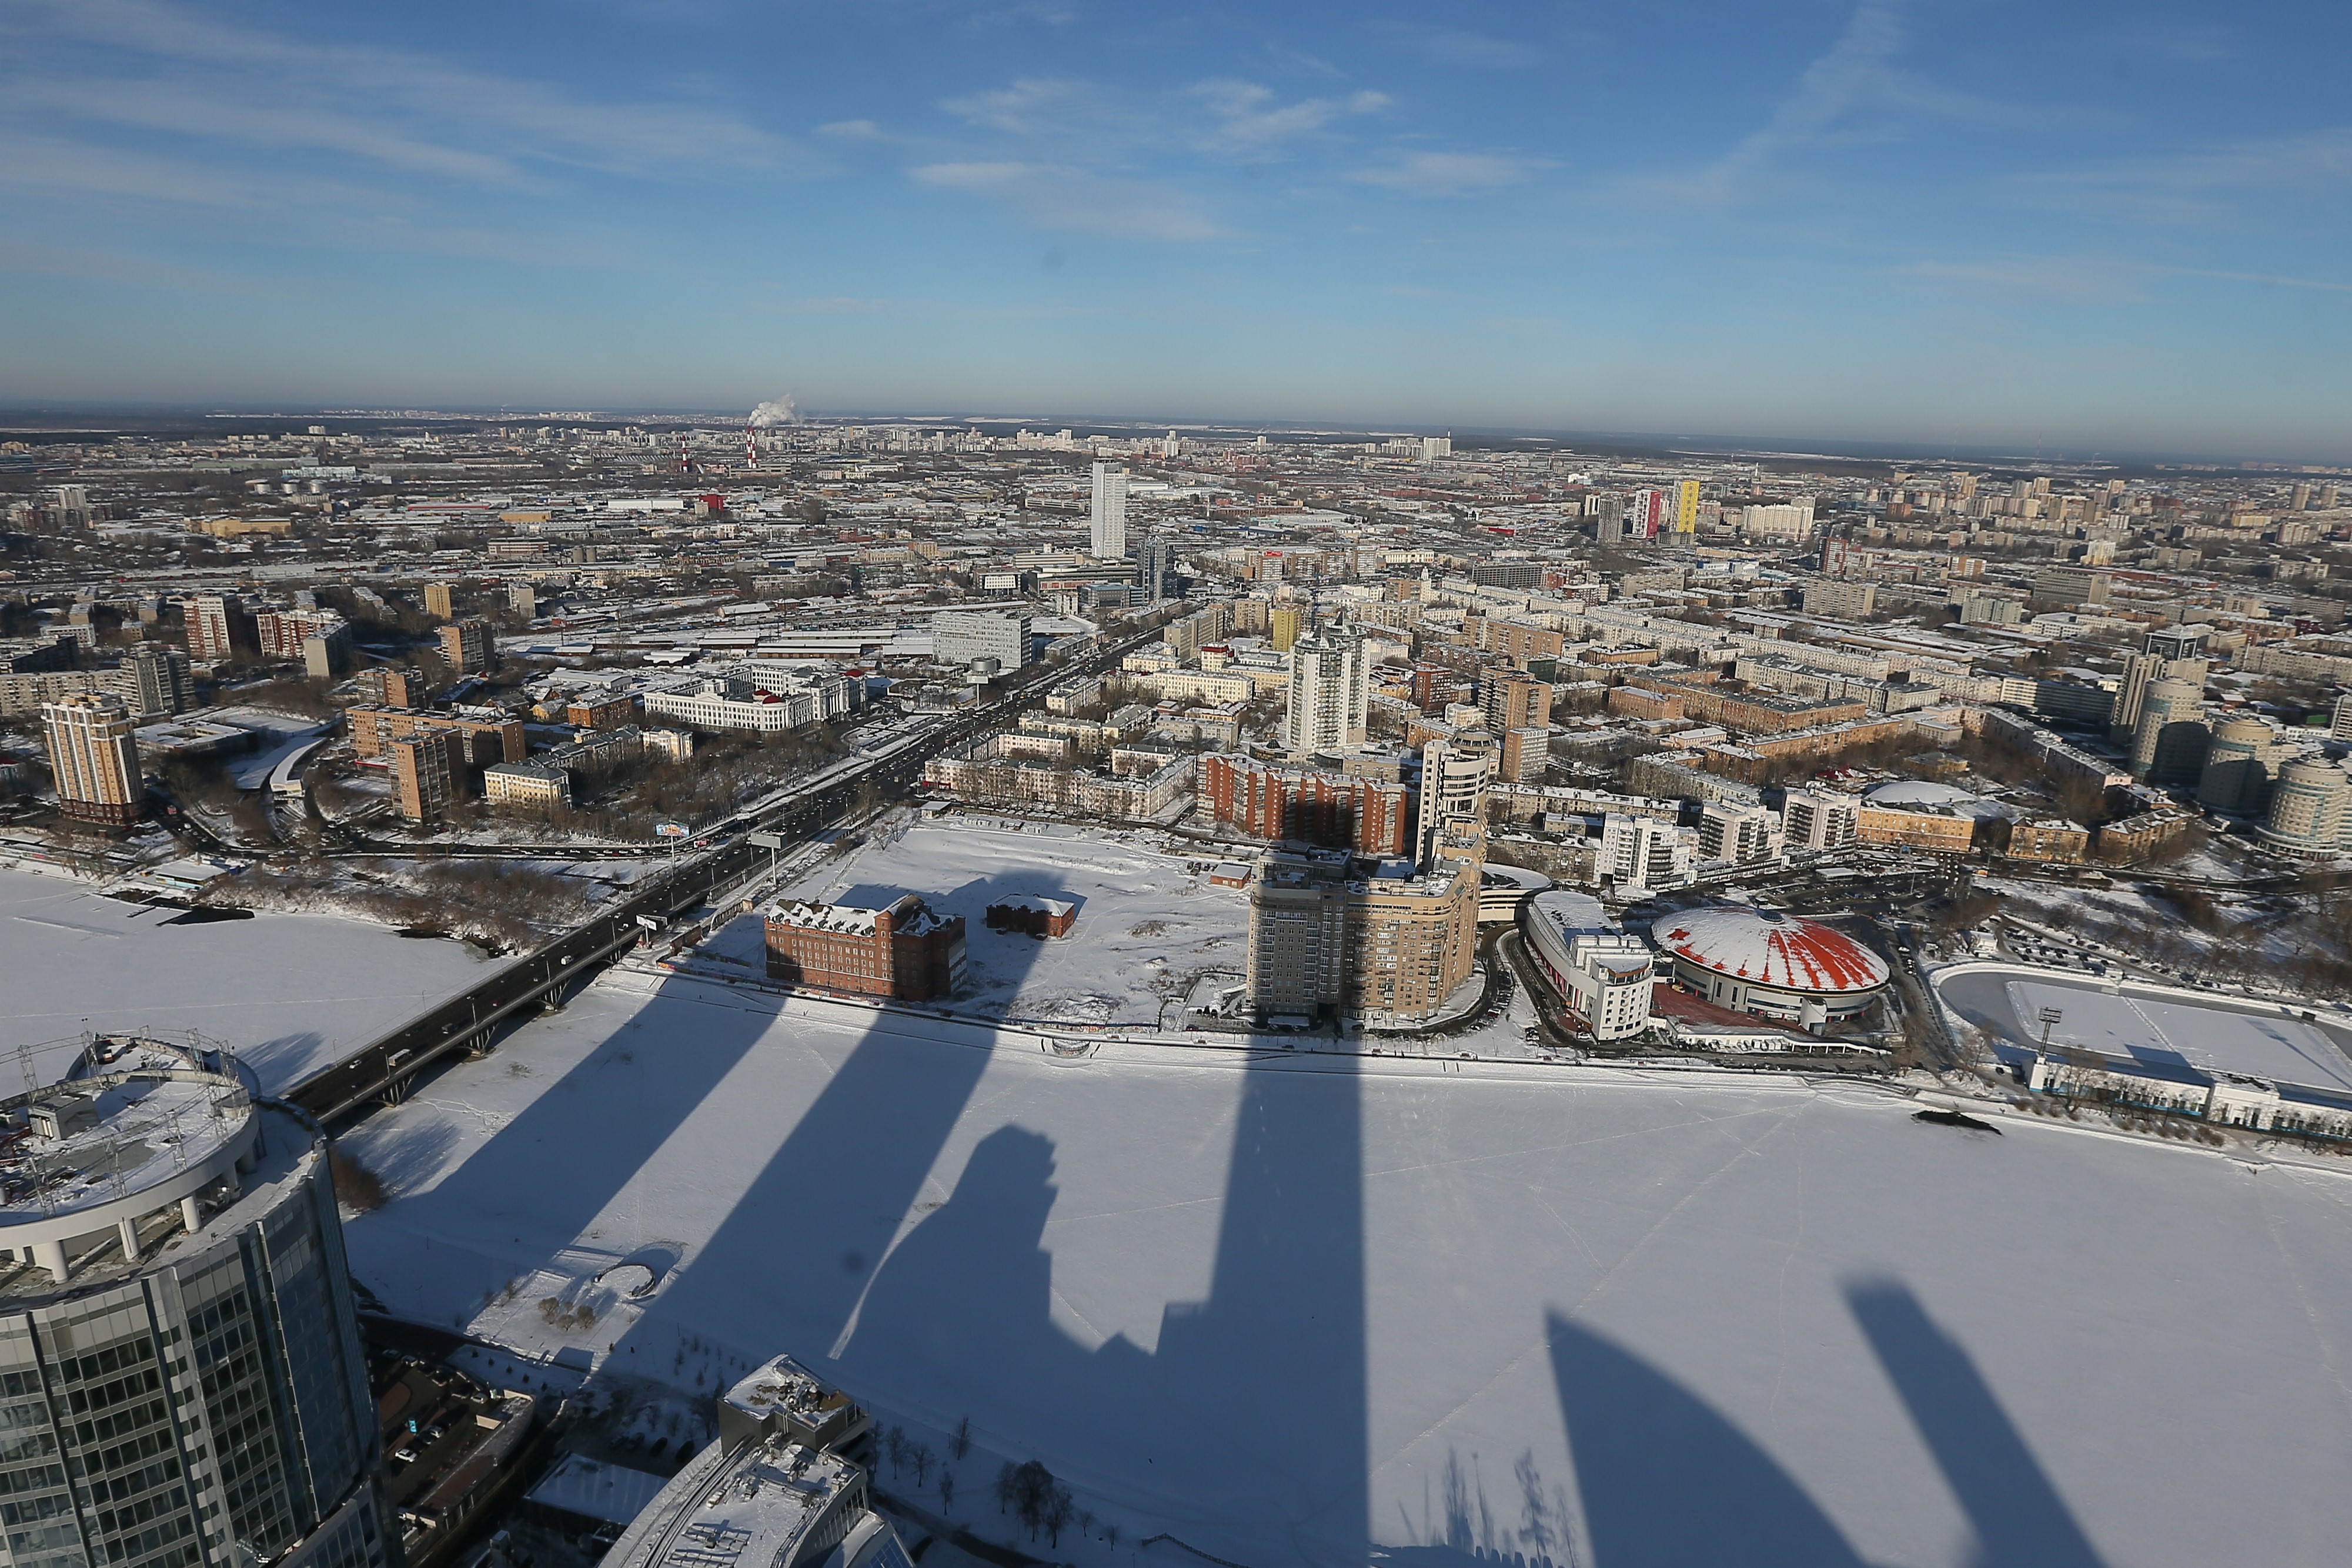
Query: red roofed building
{"x": 1771, "y": 965}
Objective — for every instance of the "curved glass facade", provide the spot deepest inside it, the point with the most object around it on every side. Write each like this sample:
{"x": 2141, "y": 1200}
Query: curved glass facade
{"x": 206, "y": 1406}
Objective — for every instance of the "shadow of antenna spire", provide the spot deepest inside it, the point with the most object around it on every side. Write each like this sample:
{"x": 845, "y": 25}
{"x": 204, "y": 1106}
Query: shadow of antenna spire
{"x": 2017, "y": 1514}
{"x": 1666, "y": 1481}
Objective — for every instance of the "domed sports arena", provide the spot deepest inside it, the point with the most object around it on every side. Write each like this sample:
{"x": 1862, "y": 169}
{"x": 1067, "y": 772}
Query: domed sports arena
{"x": 1775, "y": 966}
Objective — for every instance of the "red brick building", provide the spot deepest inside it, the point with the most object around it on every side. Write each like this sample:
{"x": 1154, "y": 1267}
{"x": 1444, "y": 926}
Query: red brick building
{"x": 906, "y": 951}
{"x": 605, "y": 713}
{"x": 1036, "y": 916}
{"x": 1339, "y": 810}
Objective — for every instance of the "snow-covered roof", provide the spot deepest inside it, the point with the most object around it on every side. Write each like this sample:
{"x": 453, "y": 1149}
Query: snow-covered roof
{"x": 1034, "y": 904}
{"x": 909, "y": 916}
{"x": 1566, "y": 912}
{"x": 754, "y": 1507}
{"x": 1919, "y": 792}
{"x": 594, "y": 1489}
{"x": 1771, "y": 949}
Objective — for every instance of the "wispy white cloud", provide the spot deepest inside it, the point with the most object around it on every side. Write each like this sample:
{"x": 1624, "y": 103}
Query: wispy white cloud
{"x": 1247, "y": 121}
{"x": 1227, "y": 118}
{"x": 1460, "y": 47}
{"x": 152, "y": 64}
{"x": 2198, "y": 185}
{"x": 1451, "y": 173}
{"x": 49, "y": 164}
{"x": 1855, "y": 92}
{"x": 1077, "y": 155}
{"x": 1077, "y": 200}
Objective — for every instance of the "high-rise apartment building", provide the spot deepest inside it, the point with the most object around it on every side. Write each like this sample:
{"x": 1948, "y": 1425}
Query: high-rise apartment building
{"x": 71, "y": 505}
{"x": 1608, "y": 513}
{"x": 2168, "y": 744}
{"x": 2310, "y": 813}
{"x": 1331, "y": 692}
{"x": 1819, "y": 819}
{"x": 1787, "y": 522}
{"x": 440, "y": 601}
{"x": 93, "y": 760}
{"x": 1642, "y": 852}
{"x": 184, "y": 1383}
{"x": 1155, "y": 568}
{"x": 1386, "y": 942}
{"x": 1107, "y": 516}
{"x": 1511, "y": 700}
{"x": 1685, "y": 500}
{"x": 220, "y": 627}
{"x": 1454, "y": 779}
{"x": 2246, "y": 754}
{"x": 1524, "y": 756}
{"x": 428, "y": 773}
{"x": 154, "y": 682}
{"x": 467, "y": 647}
{"x": 388, "y": 687}
{"x": 1737, "y": 833}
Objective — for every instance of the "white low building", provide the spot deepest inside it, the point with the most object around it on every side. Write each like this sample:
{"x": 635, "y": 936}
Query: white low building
{"x": 763, "y": 696}
{"x": 1603, "y": 973}
{"x": 2226, "y": 1099}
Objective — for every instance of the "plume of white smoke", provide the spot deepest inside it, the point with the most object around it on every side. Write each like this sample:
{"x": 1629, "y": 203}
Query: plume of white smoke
{"x": 782, "y": 411}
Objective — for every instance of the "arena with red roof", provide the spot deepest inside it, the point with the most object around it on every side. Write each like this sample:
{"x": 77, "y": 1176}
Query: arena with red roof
{"x": 1771, "y": 965}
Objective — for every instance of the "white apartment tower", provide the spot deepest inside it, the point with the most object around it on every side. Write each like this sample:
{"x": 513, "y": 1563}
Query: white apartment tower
{"x": 1819, "y": 819}
{"x": 1738, "y": 833}
{"x": 1639, "y": 853}
{"x": 1109, "y": 514}
{"x": 1331, "y": 692}
{"x": 1453, "y": 781}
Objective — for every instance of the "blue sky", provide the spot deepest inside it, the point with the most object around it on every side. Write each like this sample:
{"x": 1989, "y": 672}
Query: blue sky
{"x": 2122, "y": 226}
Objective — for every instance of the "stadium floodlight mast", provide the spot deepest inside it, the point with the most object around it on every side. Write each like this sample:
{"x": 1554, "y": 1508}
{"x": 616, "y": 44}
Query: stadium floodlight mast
{"x": 2050, "y": 1016}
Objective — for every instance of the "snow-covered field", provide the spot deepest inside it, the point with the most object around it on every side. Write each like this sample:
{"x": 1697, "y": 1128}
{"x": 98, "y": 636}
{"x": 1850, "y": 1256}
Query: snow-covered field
{"x": 2151, "y": 1027}
{"x": 1292, "y": 1307}
{"x": 288, "y": 992}
{"x": 1145, "y": 926}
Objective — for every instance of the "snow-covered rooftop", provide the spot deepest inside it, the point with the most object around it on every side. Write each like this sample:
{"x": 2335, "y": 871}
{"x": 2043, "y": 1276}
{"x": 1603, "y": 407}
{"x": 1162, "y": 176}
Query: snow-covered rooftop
{"x": 751, "y": 1506}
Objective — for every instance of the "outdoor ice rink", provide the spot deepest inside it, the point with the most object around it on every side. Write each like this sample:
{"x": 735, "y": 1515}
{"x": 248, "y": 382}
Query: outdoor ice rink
{"x": 2161, "y": 1027}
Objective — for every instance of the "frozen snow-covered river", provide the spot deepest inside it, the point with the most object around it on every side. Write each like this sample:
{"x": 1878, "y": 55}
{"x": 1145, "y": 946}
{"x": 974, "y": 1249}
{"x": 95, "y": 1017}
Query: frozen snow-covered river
{"x": 1298, "y": 1309}
{"x": 291, "y": 993}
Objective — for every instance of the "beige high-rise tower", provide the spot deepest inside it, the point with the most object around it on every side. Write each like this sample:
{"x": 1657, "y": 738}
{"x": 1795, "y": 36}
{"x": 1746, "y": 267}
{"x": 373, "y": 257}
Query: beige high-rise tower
{"x": 94, "y": 760}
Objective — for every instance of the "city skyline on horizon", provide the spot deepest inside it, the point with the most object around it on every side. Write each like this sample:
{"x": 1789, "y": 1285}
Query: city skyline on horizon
{"x": 2114, "y": 231}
